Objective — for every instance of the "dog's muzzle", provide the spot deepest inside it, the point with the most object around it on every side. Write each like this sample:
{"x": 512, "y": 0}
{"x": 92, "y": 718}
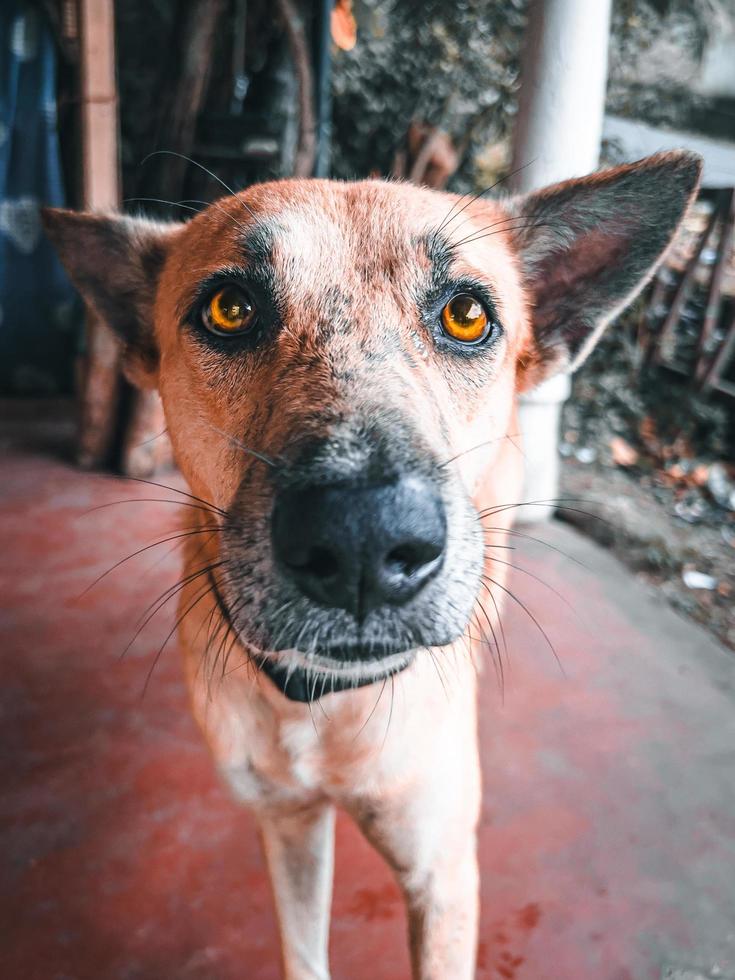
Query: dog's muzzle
{"x": 369, "y": 552}
{"x": 355, "y": 549}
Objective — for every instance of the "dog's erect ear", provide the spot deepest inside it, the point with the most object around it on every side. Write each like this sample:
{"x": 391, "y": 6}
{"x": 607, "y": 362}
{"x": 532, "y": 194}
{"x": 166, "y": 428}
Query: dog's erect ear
{"x": 114, "y": 261}
{"x": 588, "y": 246}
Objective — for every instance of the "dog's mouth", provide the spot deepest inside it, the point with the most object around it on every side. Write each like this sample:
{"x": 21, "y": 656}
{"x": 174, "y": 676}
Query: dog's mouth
{"x": 337, "y": 667}
{"x": 308, "y": 679}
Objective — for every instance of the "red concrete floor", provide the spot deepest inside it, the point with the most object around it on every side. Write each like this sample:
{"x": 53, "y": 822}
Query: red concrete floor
{"x": 608, "y": 829}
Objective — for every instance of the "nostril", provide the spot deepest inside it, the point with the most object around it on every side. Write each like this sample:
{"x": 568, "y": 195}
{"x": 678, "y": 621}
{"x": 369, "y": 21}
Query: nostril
{"x": 319, "y": 562}
{"x": 409, "y": 558}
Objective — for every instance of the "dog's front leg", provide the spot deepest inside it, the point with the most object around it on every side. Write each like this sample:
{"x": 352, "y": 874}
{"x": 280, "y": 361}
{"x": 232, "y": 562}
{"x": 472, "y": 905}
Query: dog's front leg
{"x": 429, "y": 839}
{"x": 299, "y": 848}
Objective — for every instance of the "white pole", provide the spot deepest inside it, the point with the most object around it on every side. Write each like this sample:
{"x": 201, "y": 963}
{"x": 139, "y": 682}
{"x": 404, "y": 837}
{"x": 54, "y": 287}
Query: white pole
{"x": 557, "y": 135}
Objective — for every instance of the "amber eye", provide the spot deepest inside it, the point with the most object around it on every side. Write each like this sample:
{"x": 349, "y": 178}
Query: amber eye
{"x": 464, "y": 318}
{"x": 229, "y": 311}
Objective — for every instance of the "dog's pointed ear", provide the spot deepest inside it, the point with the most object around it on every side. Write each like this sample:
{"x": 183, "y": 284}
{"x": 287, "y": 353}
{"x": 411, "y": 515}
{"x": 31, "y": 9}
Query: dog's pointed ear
{"x": 588, "y": 246}
{"x": 115, "y": 261}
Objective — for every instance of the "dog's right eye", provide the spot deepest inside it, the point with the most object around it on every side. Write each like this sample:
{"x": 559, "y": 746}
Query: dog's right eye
{"x": 464, "y": 318}
{"x": 228, "y": 312}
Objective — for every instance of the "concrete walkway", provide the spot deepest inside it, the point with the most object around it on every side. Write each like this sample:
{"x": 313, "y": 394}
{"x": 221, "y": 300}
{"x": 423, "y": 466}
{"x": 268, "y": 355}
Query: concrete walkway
{"x": 608, "y": 828}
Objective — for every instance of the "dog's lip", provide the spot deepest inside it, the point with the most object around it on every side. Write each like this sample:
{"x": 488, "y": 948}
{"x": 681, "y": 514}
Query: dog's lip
{"x": 305, "y": 679}
{"x": 341, "y": 656}
{"x": 359, "y": 670}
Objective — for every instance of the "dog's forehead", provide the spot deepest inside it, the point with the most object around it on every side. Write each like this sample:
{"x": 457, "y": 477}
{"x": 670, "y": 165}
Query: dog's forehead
{"x": 368, "y": 206}
{"x": 343, "y": 231}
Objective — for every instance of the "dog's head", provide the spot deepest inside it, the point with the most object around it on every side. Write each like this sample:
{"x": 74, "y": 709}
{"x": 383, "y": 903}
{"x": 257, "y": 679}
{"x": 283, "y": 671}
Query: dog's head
{"x": 339, "y": 364}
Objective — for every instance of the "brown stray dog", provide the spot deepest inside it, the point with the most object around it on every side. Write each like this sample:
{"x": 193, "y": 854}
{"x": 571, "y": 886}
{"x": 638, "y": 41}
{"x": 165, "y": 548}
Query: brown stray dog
{"x": 339, "y": 365}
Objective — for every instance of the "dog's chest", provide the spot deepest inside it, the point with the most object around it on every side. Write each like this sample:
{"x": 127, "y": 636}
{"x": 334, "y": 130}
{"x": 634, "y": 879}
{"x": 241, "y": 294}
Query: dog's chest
{"x": 351, "y": 745}
{"x": 269, "y": 757}
{"x": 270, "y": 767}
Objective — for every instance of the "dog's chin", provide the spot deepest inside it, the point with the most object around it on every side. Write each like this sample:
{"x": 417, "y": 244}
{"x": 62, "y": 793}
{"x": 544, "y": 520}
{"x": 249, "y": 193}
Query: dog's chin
{"x": 303, "y": 677}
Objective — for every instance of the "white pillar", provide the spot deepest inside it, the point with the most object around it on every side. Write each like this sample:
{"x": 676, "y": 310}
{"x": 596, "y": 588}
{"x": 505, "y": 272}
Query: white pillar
{"x": 557, "y": 135}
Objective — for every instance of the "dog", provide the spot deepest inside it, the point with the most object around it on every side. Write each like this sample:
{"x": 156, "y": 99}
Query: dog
{"x": 340, "y": 365}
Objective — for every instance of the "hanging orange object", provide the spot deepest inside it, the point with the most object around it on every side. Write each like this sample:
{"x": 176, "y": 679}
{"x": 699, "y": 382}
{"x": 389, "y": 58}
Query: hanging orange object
{"x": 343, "y": 26}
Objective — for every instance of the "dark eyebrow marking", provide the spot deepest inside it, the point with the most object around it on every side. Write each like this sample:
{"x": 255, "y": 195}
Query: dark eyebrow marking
{"x": 258, "y": 243}
{"x": 439, "y": 253}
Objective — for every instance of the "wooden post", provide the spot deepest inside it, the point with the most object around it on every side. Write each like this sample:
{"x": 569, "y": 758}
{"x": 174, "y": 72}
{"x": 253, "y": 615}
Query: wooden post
{"x": 714, "y": 378}
{"x": 100, "y": 395}
{"x": 144, "y": 446}
{"x": 714, "y": 293}
{"x": 306, "y": 150}
{"x": 185, "y": 90}
{"x": 664, "y": 335}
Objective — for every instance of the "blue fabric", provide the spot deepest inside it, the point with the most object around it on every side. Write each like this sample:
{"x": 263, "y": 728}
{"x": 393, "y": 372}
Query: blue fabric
{"x": 39, "y": 314}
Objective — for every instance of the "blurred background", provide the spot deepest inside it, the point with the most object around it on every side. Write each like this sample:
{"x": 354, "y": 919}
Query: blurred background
{"x": 150, "y": 106}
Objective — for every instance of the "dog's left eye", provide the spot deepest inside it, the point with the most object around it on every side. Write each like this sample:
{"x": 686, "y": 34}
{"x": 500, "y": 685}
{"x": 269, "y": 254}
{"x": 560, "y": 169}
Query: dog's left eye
{"x": 464, "y": 318}
{"x": 228, "y": 312}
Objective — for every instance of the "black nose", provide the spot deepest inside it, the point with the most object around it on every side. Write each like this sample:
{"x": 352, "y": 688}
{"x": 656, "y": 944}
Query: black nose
{"x": 357, "y": 548}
